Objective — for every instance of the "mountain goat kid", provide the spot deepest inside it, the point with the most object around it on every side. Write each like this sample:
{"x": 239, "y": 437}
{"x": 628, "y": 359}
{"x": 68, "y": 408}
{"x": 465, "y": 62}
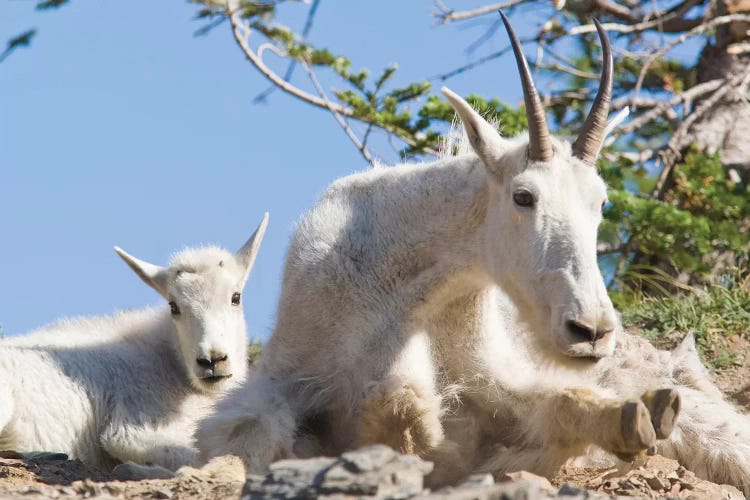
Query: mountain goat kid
{"x": 422, "y": 302}
{"x": 130, "y": 387}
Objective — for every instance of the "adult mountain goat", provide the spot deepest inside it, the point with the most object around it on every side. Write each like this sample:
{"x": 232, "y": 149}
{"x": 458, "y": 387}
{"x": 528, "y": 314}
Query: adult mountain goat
{"x": 130, "y": 387}
{"x": 453, "y": 307}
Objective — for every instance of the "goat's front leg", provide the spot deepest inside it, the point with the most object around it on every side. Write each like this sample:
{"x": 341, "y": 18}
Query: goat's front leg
{"x": 403, "y": 410}
{"x": 167, "y": 446}
{"x": 553, "y": 425}
{"x": 254, "y": 421}
{"x": 576, "y": 417}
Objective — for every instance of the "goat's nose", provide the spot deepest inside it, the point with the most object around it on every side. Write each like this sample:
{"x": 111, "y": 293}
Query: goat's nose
{"x": 586, "y": 333}
{"x": 212, "y": 361}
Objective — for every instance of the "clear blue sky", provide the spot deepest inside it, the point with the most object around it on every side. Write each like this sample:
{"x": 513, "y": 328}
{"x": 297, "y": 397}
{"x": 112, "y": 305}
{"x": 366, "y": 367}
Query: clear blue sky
{"x": 118, "y": 127}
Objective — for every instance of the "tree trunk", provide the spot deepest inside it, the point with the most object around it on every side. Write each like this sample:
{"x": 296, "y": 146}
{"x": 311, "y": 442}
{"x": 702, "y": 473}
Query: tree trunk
{"x": 725, "y": 127}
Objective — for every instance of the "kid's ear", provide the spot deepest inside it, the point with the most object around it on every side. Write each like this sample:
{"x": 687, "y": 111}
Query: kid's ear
{"x": 246, "y": 255}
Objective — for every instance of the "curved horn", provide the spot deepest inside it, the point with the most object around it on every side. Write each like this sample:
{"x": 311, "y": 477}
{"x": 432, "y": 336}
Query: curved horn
{"x": 589, "y": 141}
{"x": 540, "y": 144}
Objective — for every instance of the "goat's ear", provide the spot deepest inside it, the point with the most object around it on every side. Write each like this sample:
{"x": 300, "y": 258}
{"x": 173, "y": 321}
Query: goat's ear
{"x": 484, "y": 138}
{"x": 246, "y": 255}
{"x": 154, "y": 276}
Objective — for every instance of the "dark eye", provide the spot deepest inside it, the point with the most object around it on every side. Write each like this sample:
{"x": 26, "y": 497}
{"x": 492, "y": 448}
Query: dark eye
{"x": 175, "y": 308}
{"x": 523, "y": 198}
{"x": 236, "y": 299}
{"x": 604, "y": 204}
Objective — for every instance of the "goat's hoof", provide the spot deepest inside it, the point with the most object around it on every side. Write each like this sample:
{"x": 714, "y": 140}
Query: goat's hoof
{"x": 635, "y": 424}
{"x": 664, "y": 406}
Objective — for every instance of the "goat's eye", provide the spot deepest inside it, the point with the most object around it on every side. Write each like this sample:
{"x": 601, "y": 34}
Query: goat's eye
{"x": 175, "y": 308}
{"x": 236, "y": 299}
{"x": 523, "y": 198}
{"x": 604, "y": 204}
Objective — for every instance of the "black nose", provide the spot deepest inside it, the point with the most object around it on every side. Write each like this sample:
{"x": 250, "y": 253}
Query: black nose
{"x": 585, "y": 333}
{"x": 212, "y": 361}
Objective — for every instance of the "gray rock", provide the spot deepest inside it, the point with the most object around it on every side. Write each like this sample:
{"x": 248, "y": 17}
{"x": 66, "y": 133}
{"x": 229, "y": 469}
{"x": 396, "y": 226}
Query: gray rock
{"x": 374, "y": 471}
{"x": 377, "y": 472}
{"x": 369, "y": 458}
{"x": 571, "y": 491}
{"x": 137, "y": 472}
{"x": 478, "y": 481}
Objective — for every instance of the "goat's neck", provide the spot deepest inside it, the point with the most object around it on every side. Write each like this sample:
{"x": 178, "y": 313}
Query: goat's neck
{"x": 442, "y": 247}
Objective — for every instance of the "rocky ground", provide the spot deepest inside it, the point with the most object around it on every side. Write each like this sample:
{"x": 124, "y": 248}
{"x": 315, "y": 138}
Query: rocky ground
{"x": 371, "y": 472}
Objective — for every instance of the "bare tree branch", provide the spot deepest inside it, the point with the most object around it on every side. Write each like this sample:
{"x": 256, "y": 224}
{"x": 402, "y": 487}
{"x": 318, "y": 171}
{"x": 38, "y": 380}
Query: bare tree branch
{"x": 293, "y": 63}
{"x": 241, "y": 32}
{"x": 447, "y": 15}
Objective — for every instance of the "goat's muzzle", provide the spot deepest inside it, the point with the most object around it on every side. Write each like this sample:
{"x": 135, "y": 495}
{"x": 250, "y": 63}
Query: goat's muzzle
{"x": 214, "y": 367}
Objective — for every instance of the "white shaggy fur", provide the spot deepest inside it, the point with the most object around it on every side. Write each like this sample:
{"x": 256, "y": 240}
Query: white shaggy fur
{"x": 128, "y": 387}
{"x": 424, "y": 307}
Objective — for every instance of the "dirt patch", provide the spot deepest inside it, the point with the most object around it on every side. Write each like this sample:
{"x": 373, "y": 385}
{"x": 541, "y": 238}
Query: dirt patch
{"x": 22, "y": 478}
{"x": 735, "y": 380}
{"x": 653, "y": 477}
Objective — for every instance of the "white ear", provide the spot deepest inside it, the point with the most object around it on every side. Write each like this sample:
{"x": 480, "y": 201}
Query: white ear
{"x": 154, "y": 276}
{"x": 246, "y": 255}
{"x": 484, "y": 138}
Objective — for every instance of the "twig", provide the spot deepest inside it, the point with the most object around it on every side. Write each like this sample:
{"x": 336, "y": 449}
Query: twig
{"x": 565, "y": 97}
{"x": 366, "y": 135}
{"x": 616, "y": 10}
{"x": 641, "y": 102}
{"x": 571, "y": 71}
{"x": 555, "y": 55}
{"x": 717, "y": 21}
{"x": 341, "y": 121}
{"x": 447, "y": 15}
{"x": 474, "y": 64}
{"x": 488, "y": 33}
